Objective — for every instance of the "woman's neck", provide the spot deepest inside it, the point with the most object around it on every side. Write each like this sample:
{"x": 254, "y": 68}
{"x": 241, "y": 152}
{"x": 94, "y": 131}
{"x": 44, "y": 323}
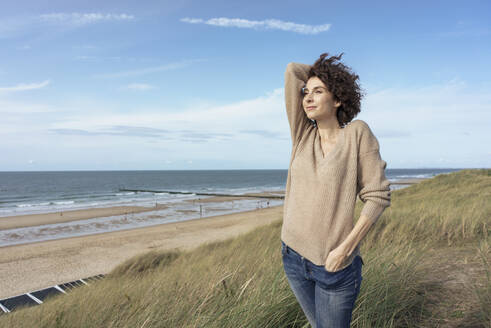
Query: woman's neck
{"x": 328, "y": 129}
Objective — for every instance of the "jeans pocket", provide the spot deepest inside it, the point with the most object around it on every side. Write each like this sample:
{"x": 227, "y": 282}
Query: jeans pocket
{"x": 283, "y": 248}
{"x": 331, "y": 280}
{"x": 337, "y": 281}
{"x": 357, "y": 272}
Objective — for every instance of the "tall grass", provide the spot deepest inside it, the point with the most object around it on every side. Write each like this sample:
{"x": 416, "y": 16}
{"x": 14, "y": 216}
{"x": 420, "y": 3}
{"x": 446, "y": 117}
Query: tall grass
{"x": 450, "y": 208}
{"x": 240, "y": 282}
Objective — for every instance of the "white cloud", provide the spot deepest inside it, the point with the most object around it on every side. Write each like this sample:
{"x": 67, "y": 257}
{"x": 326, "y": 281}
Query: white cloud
{"x": 24, "y": 87}
{"x": 148, "y": 70}
{"x": 274, "y": 24}
{"x": 139, "y": 87}
{"x": 16, "y": 26}
{"x": 419, "y": 125}
{"x": 430, "y": 108}
{"x": 416, "y": 126}
{"x": 192, "y": 20}
{"x": 12, "y": 111}
{"x": 264, "y": 115}
{"x": 83, "y": 18}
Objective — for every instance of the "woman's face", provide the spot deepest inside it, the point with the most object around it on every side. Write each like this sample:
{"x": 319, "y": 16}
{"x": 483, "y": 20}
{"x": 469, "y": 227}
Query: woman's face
{"x": 318, "y": 103}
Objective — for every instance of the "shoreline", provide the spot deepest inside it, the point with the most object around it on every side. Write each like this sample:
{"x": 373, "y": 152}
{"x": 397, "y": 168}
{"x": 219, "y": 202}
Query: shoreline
{"x": 49, "y": 221}
{"x": 38, "y": 219}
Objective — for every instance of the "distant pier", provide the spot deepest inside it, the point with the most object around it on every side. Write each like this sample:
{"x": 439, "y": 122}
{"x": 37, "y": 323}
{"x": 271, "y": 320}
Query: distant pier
{"x": 204, "y": 193}
{"x": 398, "y": 182}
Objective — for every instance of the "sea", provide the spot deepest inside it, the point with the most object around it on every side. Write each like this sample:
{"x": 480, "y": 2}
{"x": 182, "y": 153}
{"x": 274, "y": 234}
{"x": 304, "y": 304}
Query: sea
{"x": 23, "y": 193}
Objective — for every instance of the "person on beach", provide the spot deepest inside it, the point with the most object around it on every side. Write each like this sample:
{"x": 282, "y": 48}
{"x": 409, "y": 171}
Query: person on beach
{"x": 334, "y": 158}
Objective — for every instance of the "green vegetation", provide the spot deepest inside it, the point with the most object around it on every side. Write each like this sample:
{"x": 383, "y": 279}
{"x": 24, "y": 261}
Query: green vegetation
{"x": 414, "y": 257}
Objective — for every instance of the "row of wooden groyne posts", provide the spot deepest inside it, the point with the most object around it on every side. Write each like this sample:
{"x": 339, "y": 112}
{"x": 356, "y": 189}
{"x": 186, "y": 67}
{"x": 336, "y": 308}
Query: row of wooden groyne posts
{"x": 233, "y": 195}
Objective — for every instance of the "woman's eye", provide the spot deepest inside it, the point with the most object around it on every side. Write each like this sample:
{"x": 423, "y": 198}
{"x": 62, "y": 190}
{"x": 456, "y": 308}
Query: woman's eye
{"x": 318, "y": 91}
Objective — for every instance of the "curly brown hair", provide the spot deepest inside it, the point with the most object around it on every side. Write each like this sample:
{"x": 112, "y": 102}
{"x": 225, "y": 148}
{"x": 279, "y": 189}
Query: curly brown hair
{"x": 342, "y": 83}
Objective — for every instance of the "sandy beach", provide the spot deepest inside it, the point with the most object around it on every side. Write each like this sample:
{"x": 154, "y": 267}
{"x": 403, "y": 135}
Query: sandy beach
{"x": 29, "y": 220}
{"x": 37, "y": 265}
{"x": 33, "y": 266}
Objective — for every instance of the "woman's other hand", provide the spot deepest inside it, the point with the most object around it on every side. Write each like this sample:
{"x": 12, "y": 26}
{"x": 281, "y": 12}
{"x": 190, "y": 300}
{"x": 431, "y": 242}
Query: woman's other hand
{"x": 335, "y": 259}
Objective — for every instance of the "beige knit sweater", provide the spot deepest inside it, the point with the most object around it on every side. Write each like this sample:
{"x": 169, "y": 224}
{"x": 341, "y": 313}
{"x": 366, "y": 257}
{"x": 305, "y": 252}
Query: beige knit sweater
{"x": 321, "y": 191}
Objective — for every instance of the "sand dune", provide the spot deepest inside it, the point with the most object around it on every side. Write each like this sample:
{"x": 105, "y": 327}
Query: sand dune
{"x": 34, "y": 266}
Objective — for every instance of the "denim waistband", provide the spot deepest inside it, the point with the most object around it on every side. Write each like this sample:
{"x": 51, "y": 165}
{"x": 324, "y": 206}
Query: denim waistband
{"x": 291, "y": 250}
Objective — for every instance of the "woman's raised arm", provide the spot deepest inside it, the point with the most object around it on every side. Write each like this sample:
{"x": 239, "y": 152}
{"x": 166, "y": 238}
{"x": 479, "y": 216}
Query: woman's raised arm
{"x": 296, "y": 76}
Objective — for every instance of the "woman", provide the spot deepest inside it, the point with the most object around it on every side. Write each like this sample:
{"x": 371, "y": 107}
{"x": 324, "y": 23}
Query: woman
{"x": 333, "y": 160}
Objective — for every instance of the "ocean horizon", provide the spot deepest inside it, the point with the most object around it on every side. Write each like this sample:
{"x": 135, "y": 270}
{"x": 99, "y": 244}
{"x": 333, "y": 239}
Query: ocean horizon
{"x": 32, "y": 192}
{"x": 24, "y": 193}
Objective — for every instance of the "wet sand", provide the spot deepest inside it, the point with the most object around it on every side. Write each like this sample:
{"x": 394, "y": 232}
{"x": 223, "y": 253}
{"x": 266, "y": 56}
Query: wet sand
{"x": 21, "y": 221}
{"x": 28, "y": 267}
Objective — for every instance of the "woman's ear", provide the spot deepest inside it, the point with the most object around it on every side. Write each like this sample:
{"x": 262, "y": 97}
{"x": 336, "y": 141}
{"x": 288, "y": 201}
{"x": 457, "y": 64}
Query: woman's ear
{"x": 337, "y": 104}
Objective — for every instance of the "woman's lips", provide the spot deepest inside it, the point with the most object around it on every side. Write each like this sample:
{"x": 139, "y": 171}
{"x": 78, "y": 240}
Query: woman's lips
{"x": 310, "y": 107}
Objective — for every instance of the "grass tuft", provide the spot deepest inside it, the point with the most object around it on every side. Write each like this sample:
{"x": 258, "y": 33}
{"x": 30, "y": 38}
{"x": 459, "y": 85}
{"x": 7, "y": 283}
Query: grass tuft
{"x": 142, "y": 264}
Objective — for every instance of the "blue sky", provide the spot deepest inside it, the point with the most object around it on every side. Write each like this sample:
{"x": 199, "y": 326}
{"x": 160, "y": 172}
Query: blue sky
{"x": 116, "y": 85}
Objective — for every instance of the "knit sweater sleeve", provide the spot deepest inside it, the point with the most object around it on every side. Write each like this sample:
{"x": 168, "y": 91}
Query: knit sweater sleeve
{"x": 374, "y": 190}
{"x": 296, "y": 76}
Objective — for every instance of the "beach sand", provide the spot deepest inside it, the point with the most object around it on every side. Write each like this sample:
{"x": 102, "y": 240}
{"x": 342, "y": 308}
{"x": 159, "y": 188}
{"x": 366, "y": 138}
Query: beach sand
{"x": 29, "y": 267}
{"x": 21, "y": 221}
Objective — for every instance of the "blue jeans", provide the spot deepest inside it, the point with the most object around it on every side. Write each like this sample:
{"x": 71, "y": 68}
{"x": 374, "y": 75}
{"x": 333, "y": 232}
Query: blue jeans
{"x": 327, "y": 298}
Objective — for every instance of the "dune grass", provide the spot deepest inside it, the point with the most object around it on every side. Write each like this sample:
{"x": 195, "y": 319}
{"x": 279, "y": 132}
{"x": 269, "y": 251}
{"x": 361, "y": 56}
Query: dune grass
{"x": 240, "y": 282}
